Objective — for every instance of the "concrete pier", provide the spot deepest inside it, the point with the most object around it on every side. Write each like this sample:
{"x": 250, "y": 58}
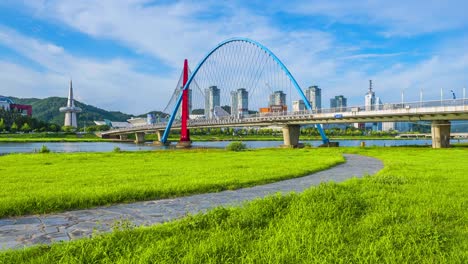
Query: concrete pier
{"x": 123, "y": 137}
{"x": 140, "y": 137}
{"x": 184, "y": 144}
{"x": 440, "y": 130}
{"x": 291, "y": 135}
{"x": 159, "y": 143}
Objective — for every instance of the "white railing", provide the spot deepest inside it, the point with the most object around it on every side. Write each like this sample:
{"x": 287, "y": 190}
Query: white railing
{"x": 298, "y": 115}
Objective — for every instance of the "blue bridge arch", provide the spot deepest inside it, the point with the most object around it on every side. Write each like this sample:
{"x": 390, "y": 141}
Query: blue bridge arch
{"x": 266, "y": 50}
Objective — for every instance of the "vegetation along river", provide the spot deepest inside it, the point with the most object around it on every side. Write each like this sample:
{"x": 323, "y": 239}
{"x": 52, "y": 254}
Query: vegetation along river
{"x": 9, "y": 147}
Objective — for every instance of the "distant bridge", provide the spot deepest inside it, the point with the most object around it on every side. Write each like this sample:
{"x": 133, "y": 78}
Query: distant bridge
{"x": 243, "y": 75}
{"x": 439, "y": 112}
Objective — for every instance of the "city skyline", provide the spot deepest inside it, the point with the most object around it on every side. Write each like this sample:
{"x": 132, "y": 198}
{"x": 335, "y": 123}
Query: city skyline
{"x": 339, "y": 46}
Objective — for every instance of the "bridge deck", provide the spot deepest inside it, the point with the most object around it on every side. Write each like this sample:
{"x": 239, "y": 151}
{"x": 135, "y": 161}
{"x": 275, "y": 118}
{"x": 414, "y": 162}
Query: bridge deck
{"x": 426, "y": 111}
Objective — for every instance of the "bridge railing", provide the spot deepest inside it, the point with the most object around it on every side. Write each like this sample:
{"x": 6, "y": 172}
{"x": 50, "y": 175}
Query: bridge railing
{"x": 337, "y": 111}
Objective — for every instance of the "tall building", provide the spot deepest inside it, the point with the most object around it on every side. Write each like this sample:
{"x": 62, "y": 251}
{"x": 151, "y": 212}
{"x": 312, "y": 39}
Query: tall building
{"x": 240, "y": 103}
{"x": 234, "y": 104}
{"x": 398, "y": 126}
{"x": 298, "y": 106}
{"x": 372, "y": 102}
{"x": 212, "y": 99}
{"x": 314, "y": 95}
{"x": 277, "y": 98}
{"x": 243, "y": 102}
{"x": 70, "y": 110}
{"x": 338, "y": 103}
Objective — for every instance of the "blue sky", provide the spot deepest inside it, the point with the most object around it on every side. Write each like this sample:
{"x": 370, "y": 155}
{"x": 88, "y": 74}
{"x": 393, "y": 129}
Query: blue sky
{"x": 126, "y": 55}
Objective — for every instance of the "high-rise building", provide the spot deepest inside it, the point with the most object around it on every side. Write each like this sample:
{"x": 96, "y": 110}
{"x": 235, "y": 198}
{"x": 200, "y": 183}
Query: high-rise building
{"x": 212, "y": 99}
{"x": 398, "y": 126}
{"x": 70, "y": 110}
{"x": 240, "y": 103}
{"x": 338, "y": 103}
{"x": 314, "y": 95}
{"x": 372, "y": 102}
{"x": 234, "y": 104}
{"x": 298, "y": 106}
{"x": 277, "y": 98}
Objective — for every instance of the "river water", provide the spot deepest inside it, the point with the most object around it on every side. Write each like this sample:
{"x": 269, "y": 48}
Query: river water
{"x": 8, "y": 147}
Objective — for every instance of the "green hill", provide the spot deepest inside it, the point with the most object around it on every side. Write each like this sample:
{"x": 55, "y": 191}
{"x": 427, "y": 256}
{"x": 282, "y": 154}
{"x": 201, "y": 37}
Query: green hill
{"x": 48, "y": 110}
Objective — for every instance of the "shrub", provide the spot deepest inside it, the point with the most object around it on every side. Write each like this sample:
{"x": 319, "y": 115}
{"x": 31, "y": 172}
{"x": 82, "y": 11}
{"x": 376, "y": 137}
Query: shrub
{"x": 117, "y": 149}
{"x": 236, "y": 146}
{"x": 44, "y": 149}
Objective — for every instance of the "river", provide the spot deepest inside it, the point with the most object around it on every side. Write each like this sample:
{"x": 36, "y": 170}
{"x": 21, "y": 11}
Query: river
{"x": 10, "y": 147}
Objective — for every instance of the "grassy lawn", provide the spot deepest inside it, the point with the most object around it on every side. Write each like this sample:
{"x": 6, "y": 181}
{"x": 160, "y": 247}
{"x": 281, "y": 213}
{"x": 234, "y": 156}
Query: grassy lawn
{"x": 49, "y": 137}
{"x": 40, "y": 183}
{"x": 415, "y": 210}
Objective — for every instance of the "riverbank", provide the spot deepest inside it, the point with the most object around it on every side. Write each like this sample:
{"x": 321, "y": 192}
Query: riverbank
{"x": 413, "y": 211}
{"x": 50, "y": 137}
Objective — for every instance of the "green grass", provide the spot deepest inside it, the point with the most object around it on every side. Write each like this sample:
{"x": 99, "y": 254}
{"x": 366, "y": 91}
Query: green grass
{"x": 413, "y": 211}
{"x": 49, "y": 137}
{"x": 41, "y": 183}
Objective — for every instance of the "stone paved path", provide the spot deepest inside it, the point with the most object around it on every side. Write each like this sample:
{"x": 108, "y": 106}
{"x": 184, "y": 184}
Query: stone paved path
{"x": 29, "y": 230}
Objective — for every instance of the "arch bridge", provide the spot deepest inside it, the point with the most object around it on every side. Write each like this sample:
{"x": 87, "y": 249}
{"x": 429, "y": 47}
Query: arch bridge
{"x": 241, "y": 83}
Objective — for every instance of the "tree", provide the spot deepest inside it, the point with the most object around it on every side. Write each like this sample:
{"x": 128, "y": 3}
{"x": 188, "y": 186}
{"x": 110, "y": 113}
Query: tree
{"x": 25, "y": 127}
{"x": 2, "y": 124}
{"x": 14, "y": 127}
{"x": 68, "y": 129}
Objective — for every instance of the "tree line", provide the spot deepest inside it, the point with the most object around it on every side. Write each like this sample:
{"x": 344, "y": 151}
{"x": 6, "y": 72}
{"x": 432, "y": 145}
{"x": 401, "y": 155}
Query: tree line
{"x": 13, "y": 121}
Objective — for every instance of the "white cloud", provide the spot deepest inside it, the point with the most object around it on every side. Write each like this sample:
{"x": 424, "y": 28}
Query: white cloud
{"x": 174, "y": 31}
{"x": 397, "y": 18}
{"x": 111, "y": 84}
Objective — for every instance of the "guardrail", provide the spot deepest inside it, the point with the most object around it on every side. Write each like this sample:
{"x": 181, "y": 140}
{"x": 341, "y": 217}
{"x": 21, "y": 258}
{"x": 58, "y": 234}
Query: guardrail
{"x": 297, "y": 115}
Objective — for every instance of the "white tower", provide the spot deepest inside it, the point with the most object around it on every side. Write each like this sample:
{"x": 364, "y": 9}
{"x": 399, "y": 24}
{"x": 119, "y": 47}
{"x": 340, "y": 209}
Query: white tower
{"x": 70, "y": 110}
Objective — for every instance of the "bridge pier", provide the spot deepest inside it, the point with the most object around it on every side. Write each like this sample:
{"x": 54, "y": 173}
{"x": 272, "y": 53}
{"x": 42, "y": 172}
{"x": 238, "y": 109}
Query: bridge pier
{"x": 139, "y": 137}
{"x": 291, "y": 135}
{"x": 440, "y": 130}
{"x": 160, "y": 135}
{"x": 123, "y": 137}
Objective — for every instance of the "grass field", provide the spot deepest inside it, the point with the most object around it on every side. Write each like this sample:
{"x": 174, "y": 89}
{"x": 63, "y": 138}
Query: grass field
{"x": 40, "y": 183}
{"x": 49, "y": 137}
{"x": 413, "y": 211}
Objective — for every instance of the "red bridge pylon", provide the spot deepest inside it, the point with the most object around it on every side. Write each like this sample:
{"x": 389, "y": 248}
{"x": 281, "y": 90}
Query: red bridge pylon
{"x": 184, "y": 131}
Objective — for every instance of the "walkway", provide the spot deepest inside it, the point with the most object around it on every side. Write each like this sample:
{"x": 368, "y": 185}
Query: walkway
{"x": 30, "y": 230}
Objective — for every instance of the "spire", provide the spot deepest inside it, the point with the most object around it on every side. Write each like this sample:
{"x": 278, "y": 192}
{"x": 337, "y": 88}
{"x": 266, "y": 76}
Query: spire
{"x": 70, "y": 102}
{"x": 370, "y": 86}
